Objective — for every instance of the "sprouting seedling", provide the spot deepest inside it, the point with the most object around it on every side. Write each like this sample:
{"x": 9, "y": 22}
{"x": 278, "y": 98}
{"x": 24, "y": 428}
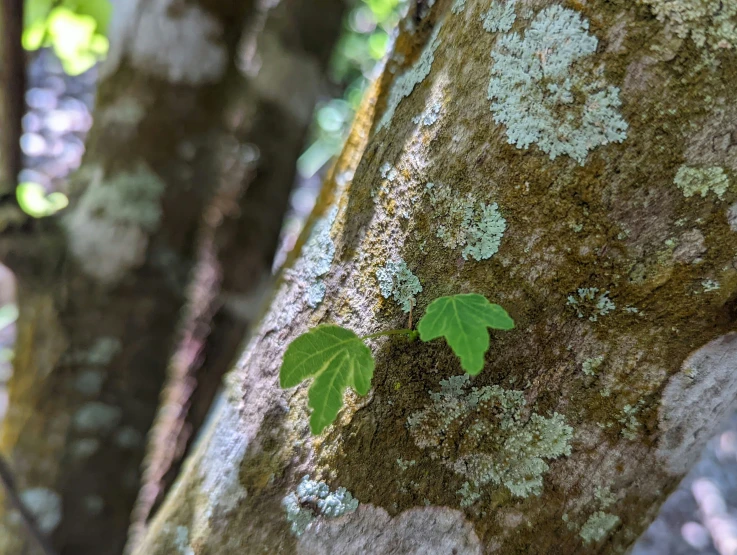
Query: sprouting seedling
{"x": 337, "y": 358}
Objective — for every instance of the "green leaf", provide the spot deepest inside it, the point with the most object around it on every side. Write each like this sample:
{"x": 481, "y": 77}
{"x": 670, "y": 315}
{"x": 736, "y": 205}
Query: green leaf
{"x": 336, "y": 358}
{"x": 462, "y": 320}
{"x": 34, "y": 201}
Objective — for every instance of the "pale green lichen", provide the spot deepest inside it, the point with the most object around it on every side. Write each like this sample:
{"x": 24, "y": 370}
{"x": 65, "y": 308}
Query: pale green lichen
{"x": 100, "y": 353}
{"x": 709, "y": 23}
{"x": 89, "y": 382}
{"x": 469, "y": 495}
{"x": 487, "y": 436}
{"x": 83, "y": 448}
{"x": 404, "y": 465}
{"x": 458, "y": 6}
{"x": 628, "y": 419}
{"x": 590, "y": 365}
{"x": 406, "y": 83}
{"x": 45, "y": 506}
{"x": 109, "y": 228}
{"x": 103, "y": 350}
{"x": 588, "y": 305}
{"x": 128, "y": 438}
{"x": 313, "y": 499}
{"x": 484, "y": 231}
{"x": 500, "y": 16}
{"x": 710, "y": 285}
{"x": 604, "y": 496}
{"x": 96, "y": 417}
{"x": 181, "y": 541}
{"x": 465, "y": 222}
{"x": 598, "y": 526}
{"x": 546, "y": 90}
{"x": 397, "y": 281}
{"x": 317, "y": 257}
{"x": 388, "y": 171}
{"x": 126, "y": 199}
{"x": 702, "y": 181}
{"x": 429, "y": 116}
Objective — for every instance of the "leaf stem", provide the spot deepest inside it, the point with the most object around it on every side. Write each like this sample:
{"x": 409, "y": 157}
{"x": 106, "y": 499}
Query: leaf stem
{"x": 412, "y": 333}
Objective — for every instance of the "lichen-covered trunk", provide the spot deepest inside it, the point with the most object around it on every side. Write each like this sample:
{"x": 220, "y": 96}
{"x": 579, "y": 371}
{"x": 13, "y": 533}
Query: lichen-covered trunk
{"x": 571, "y": 161}
{"x": 286, "y": 64}
{"x": 101, "y": 288}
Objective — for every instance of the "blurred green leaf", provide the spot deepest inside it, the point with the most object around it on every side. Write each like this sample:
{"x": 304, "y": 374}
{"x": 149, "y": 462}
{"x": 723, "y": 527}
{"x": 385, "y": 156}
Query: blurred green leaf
{"x": 365, "y": 40}
{"x": 378, "y": 43}
{"x": 76, "y": 30}
{"x": 34, "y": 201}
{"x": 99, "y": 10}
{"x": 36, "y": 11}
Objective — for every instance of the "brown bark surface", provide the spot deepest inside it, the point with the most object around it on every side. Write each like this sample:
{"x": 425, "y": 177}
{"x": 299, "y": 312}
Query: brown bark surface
{"x": 616, "y": 262}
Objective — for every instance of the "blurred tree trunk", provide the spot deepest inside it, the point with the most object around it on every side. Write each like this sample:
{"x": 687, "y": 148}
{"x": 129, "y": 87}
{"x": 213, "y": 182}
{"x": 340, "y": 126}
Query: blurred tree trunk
{"x": 580, "y": 176}
{"x": 12, "y": 94}
{"x": 285, "y": 64}
{"x": 101, "y": 288}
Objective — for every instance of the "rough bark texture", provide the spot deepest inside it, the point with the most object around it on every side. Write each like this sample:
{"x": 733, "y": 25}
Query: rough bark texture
{"x": 285, "y": 64}
{"x": 615, "y": 258}
{"x": 100, "y": 300}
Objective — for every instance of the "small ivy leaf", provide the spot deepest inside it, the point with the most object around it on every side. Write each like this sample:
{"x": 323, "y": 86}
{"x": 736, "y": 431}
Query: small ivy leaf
{"x": 337, "y": 358}
{"x": 462, "y": 320}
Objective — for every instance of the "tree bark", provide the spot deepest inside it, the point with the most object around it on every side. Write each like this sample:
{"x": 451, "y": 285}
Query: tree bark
{"x": 615, "y": 258}
{"x": 285, "y": 65}
{"x": 100, "y": 290}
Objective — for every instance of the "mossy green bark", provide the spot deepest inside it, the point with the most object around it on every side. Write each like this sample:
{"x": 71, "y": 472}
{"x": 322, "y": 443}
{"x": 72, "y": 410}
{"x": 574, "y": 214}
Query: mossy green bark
{"x": 611, "y": 221}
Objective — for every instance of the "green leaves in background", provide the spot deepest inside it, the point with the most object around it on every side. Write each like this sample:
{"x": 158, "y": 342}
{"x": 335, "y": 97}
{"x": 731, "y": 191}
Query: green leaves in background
{"x": 76, "y": 29}
{"x": 364, "y": 41}
{"x": 463, "y": 321}
{"x": 336, "y": 358}
{"x": 34, "y": 201}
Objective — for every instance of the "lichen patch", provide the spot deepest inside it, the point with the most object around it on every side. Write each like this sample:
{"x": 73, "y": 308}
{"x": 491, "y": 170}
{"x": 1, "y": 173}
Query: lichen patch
{"x": 178, "y": 42}
{"x": 110, "y": 226}
{"x": 709, "y": 23}
{"x": 558, "y": 100}
{"x": 406, "y": 83}
{"x": 370, "y": 529}
{"x": 484, "y": 436}
{"x": 397, "y": 281}
{"x": 702, "y": 181}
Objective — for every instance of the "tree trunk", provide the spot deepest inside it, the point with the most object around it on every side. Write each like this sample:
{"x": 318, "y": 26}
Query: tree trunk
{"x": 12, "y": 93}
{"x": 243, "y": 226}
{"x": 580, "y": 176}
{"x": 12, "y": 99}
{"x": 101, "y": 290}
